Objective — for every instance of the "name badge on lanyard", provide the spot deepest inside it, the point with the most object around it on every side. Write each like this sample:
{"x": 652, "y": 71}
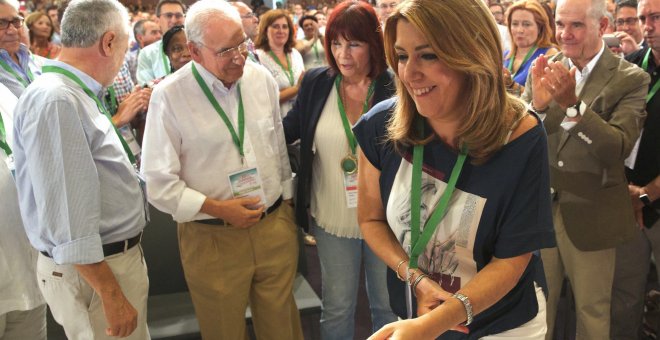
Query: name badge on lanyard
{"x": 247, "y": 183}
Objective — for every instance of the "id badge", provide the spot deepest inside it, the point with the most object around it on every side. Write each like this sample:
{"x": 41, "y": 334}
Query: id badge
{"x": 143, "y": 188}
{"x": 409, "y": 295}
{"x": 350, "y": 189}
{"x": 247, "y": 183}
{"x": 11, "y": 165}
{"x": 130, "y": 139}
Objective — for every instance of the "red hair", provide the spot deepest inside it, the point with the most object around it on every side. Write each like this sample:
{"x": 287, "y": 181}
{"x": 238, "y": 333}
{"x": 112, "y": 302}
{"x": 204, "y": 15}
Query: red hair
{"x": 356, "y": 20}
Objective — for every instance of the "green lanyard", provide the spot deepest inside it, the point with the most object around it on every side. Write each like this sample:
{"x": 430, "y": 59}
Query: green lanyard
{"x": 20, "y": 79}
{"x": 166, "y": 62}
{"x": 315, "y": 47}
{"x": 4, "y": 145}
{"x": 70, "y": 75}
{"x": 418, "y": 242}
{"x": 645, "y": 66}
{"x": 237, "y": 138}
{"x": 527, "y": 56}
{"x": 287, "y": 71}
{"x": 342, "y": 112}
{"x": 112, "y": 102}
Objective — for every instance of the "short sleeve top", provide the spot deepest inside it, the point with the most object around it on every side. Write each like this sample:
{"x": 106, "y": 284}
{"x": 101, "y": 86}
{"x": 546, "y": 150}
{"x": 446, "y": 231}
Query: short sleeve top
{"x": 500, "y": 208}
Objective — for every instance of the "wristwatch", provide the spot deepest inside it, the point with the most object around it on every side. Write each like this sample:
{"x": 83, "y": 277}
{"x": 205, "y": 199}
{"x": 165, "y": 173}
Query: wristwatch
{"x": 645, "y": 199}
{"x": 576, "y": 109}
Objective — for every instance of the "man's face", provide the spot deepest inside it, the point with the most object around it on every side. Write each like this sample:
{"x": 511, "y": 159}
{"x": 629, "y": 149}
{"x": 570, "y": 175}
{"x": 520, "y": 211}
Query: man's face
{"x": 10, "y": 37}
{"x": 298, "y": 10}
{"x": 649, "y": 11}
{"x": 385, "y": 8}
{"x": 54, "y": 17}
{"x": 579, "y": 35}
{"x": 220, "y": 35}
{"x": 626, "y": 21}
{"x": 118, "y": 52}
{"x": 248, "y": 19}
{"x": 170, "y": 15}
{"x": 497, "y": 13}
{"x": 152, "y": 34}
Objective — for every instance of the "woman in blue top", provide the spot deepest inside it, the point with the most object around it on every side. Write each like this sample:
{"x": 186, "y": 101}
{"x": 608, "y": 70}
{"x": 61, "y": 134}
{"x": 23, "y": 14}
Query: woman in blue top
{"x": 453, "y": 181}
{"x": 531, "y": 36}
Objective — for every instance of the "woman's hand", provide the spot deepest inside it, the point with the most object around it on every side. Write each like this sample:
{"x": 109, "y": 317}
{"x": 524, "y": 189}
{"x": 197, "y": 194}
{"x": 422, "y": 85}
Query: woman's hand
{"x": 429, "y": 296}
{"x": 403, "y": 329}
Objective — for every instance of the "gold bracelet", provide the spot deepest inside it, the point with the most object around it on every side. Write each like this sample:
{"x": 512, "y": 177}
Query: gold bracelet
{"x": 414, "y": 285}
{"x": 397, "y": 270}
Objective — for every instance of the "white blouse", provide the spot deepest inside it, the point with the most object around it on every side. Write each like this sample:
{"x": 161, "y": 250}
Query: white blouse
{"x": 281, "y": 77}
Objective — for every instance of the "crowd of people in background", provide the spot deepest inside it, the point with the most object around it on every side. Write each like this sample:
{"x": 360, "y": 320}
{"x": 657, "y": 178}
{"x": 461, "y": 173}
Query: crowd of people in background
{"x": 472, "y": 157}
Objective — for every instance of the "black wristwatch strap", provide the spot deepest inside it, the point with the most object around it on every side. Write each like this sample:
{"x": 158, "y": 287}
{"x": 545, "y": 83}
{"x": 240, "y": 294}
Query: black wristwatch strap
{"x": 645, "y": 199}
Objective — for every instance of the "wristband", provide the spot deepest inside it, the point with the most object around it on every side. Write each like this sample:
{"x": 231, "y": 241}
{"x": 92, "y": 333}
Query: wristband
{"x": 468, "y": 306}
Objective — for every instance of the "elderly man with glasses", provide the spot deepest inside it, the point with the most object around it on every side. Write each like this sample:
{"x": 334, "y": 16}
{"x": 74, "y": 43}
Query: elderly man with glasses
{"x": 215, "y": 158}
{"x": 18, "y": 67}
{"x": 152, "y": 61}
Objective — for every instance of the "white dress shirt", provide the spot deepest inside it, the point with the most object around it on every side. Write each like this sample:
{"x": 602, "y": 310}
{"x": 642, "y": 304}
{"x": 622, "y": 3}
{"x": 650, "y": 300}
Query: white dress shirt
{"x": 581, "y": 77}
{"x": 18, "y": 260}
{"x": 151, "y": 64}
{"x": 188, "y": 150}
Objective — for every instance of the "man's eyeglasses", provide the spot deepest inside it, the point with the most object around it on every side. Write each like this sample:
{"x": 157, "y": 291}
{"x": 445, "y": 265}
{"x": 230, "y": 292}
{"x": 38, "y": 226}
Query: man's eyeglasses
{"x": 248, "y": 15}
{"x": 170, "y": 15}
{"x": 17, "y": 22}
{"x": 628, "y": 21}
{"x": 391, "y": 5}
{"x": 653, "y": 18}
{"x": 227, "y": 53}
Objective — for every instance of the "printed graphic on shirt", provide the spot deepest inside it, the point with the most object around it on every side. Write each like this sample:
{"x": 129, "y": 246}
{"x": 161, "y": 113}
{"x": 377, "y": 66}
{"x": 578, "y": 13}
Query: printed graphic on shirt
{"x": 448, "y": 257}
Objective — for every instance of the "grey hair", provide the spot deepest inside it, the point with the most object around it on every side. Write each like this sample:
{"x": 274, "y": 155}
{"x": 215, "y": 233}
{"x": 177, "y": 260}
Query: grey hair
{"x": 202, "y": 12}
{"x": 598, "y": 9}
{"x": 12, "y": 3}
{"x": 85, "y": 21}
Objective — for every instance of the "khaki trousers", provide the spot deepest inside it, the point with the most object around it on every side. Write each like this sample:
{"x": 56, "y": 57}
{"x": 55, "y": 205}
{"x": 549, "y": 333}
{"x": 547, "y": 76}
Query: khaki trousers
{"x": 76, "y": 306}
{"x": 590, "y": 274}
{"x": 226, "y": 268}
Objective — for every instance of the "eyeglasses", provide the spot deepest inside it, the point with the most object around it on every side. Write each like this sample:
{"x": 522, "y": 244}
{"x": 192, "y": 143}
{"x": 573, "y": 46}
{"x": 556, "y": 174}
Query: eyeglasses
{"x": 227, "y": 53}
{"x": 628, "y": 21}
{"x": 653, "y": 18}
{"x": 17, "y": 22}
{"x": 248, "y": 15}
{"x": 170, "y": 15}
{"x": 391, "y": 5}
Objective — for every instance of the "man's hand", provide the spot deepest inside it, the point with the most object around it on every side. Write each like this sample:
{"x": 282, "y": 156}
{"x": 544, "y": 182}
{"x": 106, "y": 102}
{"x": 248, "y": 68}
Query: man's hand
{"x": 137, "y": 101}
{"x": 637, "y": 204}
{"x": 119, "y": 313}
{"x": 559, "y": 82}
{"x": 541, "y": 97}
{"x": 239, "y": 212}
{"x": 628, "y": 44}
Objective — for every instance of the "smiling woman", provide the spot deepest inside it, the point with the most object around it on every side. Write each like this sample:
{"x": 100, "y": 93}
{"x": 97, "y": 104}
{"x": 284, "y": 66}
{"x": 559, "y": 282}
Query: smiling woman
{"x": 175, "y": 46}
{"x": 446, "y": 196}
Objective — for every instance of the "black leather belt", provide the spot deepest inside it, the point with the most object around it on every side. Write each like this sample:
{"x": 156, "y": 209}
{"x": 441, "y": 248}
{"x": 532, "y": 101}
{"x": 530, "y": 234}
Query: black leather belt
{"x": 219, "y": 222}
{"x": 115, "y": 247}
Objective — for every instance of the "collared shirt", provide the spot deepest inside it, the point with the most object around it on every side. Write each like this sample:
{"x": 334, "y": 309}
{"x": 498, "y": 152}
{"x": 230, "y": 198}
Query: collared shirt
{"x": 26, "y": 60}
{"x": 18, "y": 279}
{"x": 77, "y": 188}
{"x": 581, "y": 76}
{"x": 123, "y": 83}
{"x": 150, "y": 63}
{"x": 188, "y": 151}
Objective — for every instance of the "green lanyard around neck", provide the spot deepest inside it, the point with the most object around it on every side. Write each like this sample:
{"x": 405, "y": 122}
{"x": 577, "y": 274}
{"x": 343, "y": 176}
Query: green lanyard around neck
{"x": 112, "y": 101}
{"x": 4, "y": 144}
{"x": 237, "y": 138}
{"x": 315, "y": 47}
{"x": 20, "y": 79}
{"x": 418, "y": 242}
{"x": 342, "y": 112}
{"x": 527, "y": 56}
{"x": 288, "y": 71}
{"x": 645, "y": 66}
{"x": 90, "y": 94}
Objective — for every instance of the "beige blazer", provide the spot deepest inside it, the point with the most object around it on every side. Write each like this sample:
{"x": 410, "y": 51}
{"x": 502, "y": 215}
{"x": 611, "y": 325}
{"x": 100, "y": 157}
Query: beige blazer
{"x": 587, "y": 162}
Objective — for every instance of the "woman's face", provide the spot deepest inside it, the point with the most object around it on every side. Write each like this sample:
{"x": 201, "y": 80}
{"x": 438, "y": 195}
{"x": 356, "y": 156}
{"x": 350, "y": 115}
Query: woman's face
{"x": 178, "y": 51}
{"x": 433, "y": 86}
{"x": 278, "y": 33}
{"x": 352, "y": 57}
{"x": 42, "y": 27}
{"x": 524, "y": 30}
